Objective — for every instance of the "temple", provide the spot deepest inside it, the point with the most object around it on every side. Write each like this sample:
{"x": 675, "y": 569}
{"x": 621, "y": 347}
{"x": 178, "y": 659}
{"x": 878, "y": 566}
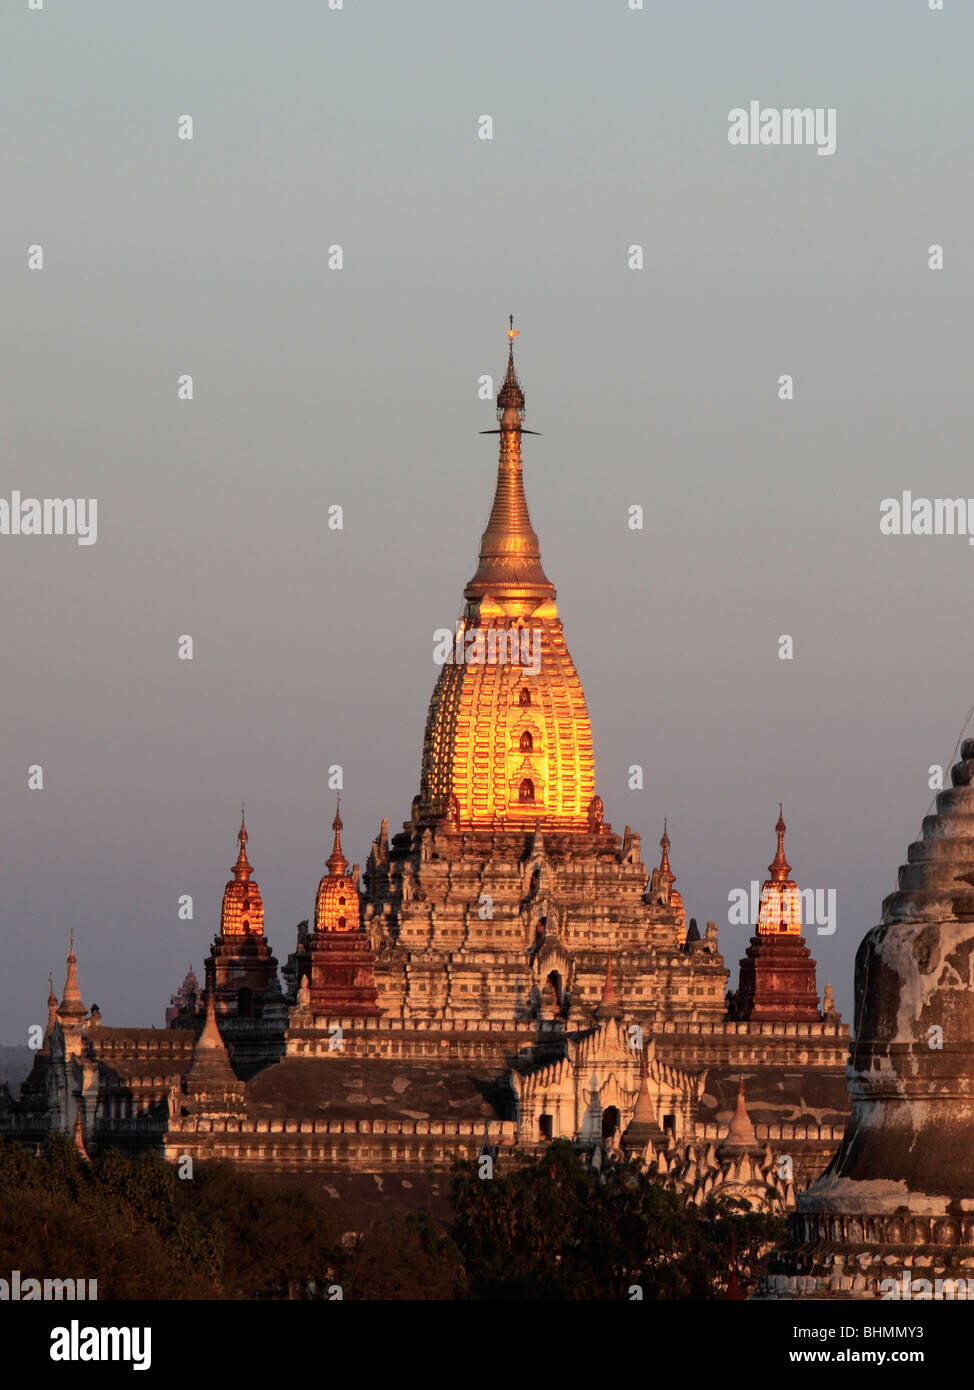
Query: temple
{"x": 893, "y": 1213}
{"x": 777, "y": 976}
{"x": 507, "y": 970}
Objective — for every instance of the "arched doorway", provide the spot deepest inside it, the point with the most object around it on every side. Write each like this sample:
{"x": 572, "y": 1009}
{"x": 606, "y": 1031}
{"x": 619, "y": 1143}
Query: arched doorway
{"x": 551, "y": 996}
{"x": 610, "y": 1121}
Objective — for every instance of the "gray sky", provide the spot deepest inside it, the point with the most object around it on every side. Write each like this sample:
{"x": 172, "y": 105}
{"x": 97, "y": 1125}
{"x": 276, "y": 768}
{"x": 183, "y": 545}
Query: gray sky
{"x": 358, "y": 127}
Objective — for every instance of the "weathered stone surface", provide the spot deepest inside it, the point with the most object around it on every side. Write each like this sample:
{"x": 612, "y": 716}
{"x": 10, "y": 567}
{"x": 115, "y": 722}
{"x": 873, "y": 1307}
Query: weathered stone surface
{"x": 904, "y": 1173}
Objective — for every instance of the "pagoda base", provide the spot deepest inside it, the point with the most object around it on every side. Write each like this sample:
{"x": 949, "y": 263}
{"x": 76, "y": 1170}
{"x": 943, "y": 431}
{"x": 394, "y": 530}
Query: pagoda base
{"x": 343, "y": 977}
{"x": 777, "y": 982}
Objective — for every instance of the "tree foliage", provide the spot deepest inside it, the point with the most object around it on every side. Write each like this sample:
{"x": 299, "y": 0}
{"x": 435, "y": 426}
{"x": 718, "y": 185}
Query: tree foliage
{"x": 551, "y": 1228}
{"x": 543, "y": 1227}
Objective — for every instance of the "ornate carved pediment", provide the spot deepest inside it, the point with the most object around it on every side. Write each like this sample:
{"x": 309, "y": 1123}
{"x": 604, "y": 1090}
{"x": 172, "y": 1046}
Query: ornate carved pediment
{"x": 610, "y": 1043}
{"x": 552, "y": 957}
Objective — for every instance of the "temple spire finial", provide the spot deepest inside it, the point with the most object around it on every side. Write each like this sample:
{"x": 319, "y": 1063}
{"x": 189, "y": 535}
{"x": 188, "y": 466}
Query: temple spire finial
{"x": 779, "y": 868}
{"x": 71, "y": 1002}
{"x": 510, "y": 569}
{"x": 242, "y": 869}
{"x": 510, "y": 397}
{"x": 664, "y": 867}
{"x": 336, "y": 861}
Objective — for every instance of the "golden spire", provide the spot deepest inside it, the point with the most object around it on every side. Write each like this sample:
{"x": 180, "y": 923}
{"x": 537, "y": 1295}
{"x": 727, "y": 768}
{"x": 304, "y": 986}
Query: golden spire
{"x": 242, "y": 869}
{"x": 336, "y": 861}
{"x": 779, "y": 869}
{"x": 780, "y": 909}
{"x": 508, "y": 734}
{"x": 337, "y": 903}
{"x": 510, "y": 557}
{"x": 243, "y": 908}
{"x": 510, "y": 398}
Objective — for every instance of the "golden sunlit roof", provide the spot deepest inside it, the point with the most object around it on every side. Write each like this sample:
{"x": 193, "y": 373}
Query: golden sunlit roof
{"x": 337, "y": 905}
{"x": 243, "y": 909}
{"x": 508, "y": 733}
{"x": 780, "y": 912}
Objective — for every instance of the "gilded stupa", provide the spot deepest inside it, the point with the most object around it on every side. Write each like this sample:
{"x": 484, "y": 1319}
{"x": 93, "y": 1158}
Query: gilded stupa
{"x": 336, "y": 905}
{"x": 505, "y": 892}
{"x": 243, "y": 907}
{"x": 780, "y": 910}
{"x": 508, "y": 738}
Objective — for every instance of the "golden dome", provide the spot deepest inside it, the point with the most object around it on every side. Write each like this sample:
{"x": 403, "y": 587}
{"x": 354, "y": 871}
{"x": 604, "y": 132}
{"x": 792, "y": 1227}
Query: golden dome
{"x": 337, "y": 904}
{"x": 508, "y": 732}
{"x": 243, "y": 909}
{"x": 780, "y": 912}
